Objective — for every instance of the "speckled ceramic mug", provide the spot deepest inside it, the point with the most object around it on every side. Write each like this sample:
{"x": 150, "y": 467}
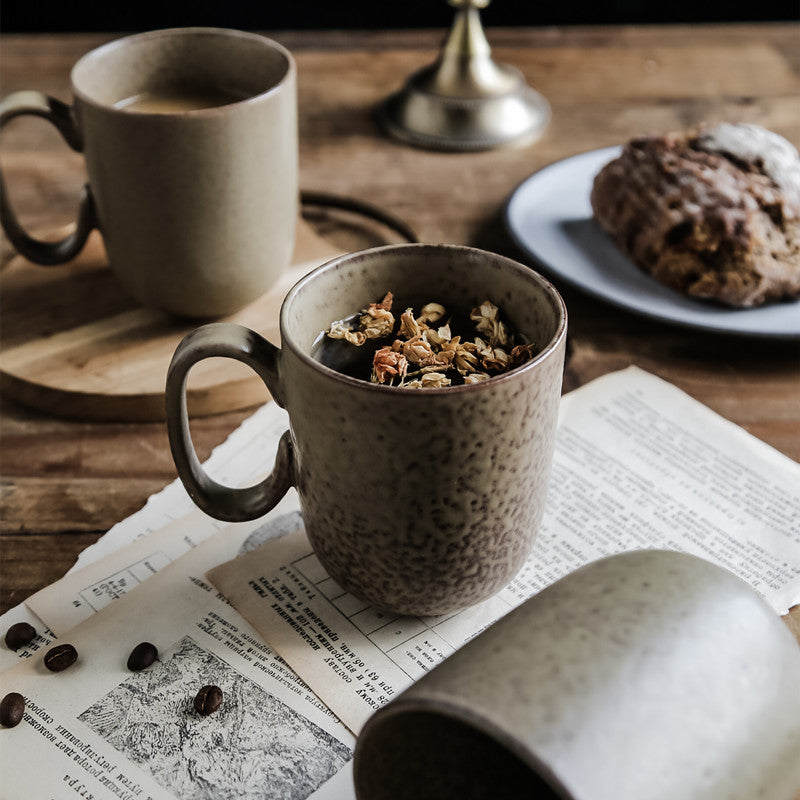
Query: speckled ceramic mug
{"x": 419, "y": 501}
{"x": 650, "y": 675}
{"x": 190, "y": 141}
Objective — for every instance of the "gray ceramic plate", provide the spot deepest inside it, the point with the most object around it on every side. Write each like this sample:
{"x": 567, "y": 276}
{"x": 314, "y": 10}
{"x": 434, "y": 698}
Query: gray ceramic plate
{"x": 550, "y": 217}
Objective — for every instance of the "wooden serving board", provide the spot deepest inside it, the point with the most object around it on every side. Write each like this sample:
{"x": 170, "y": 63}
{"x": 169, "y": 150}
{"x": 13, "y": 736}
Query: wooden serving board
{"x": 75, "y": 345}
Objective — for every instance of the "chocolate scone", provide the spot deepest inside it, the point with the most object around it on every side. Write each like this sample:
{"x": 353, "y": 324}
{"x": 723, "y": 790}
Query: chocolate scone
{"x": 713, "y": 212}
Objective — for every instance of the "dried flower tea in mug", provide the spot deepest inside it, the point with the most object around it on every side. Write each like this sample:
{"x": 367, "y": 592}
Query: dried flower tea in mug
{"x": 432, "y": 349}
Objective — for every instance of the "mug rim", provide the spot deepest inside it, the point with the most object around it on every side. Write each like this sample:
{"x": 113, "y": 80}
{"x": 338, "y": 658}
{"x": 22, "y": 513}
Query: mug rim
{"x": 550, "y": 291}
{"x": 227, "y": 33}
{"x": 465, "y": 716}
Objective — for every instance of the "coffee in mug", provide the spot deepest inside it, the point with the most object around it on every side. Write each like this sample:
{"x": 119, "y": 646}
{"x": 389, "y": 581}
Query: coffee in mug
{"x": 190, "y": 141}
{"x": 176, "y": 101}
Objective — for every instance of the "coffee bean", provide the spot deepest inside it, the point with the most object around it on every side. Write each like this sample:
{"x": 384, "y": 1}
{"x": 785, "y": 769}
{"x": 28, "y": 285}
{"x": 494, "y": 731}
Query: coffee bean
{"x": 208, "y": 700}
{"x": 20, "y": 634}
{"x": 60, "y": 657}
{"x": 142, "y": 656}
{"x": 12, "y": 709}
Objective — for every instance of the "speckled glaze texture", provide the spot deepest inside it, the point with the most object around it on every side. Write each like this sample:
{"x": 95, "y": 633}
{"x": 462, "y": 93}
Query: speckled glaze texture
{"x": 418, "y": 501}
{"x": 197, "y": 208}
{"x": 422, "y": 501}
{"x": 650, "y": 675}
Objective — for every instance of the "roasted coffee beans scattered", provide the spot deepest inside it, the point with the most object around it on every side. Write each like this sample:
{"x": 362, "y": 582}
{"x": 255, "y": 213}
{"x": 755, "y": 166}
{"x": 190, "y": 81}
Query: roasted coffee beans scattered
{"x": 12, "y": 709}
{"x": 208, "y": 700}
{"x": 142, "y": 656}
{"x": 60, "y": 657}
{"x": 20, "y": 634}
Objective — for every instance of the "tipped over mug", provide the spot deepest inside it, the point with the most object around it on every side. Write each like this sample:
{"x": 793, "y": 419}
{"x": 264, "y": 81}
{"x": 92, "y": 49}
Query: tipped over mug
{"x": 648, "y": 675}
{"x": 190, "y": 142}
{"x": 417, "y": 501}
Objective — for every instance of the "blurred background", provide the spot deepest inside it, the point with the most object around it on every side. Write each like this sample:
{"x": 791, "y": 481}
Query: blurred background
{"x": 58, "y": 15}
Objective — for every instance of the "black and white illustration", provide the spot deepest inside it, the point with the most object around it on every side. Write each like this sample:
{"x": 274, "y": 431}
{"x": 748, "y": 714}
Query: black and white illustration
{"x": 254, "y": 746}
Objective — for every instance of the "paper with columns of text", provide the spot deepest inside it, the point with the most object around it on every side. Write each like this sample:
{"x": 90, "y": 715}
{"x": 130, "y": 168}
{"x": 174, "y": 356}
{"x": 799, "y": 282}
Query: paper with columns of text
{"x": 638, "y": 464}
{"x": 98, "y": 729}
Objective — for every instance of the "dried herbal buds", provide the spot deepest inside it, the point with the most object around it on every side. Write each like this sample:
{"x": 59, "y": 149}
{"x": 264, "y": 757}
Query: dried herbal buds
{"x": 487, "y": 322}
{"x": 434, "y": 350}
{"x": 388, "y": 365}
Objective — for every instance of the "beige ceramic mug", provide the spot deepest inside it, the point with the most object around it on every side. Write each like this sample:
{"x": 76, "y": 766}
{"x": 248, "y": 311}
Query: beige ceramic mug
{"x": 418, "y": 501}
{"x": 190, "y": 141}
{"x": 649, "y": 675}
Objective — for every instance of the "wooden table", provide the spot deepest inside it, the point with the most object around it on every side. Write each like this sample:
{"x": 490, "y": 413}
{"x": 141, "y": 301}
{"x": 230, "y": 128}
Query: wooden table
{"x": 65, "y": 482}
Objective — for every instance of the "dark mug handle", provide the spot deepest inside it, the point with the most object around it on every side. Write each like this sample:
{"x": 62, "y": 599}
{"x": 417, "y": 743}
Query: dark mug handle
{"x": 228, "y": 341}
{"x": 60, "y": 115}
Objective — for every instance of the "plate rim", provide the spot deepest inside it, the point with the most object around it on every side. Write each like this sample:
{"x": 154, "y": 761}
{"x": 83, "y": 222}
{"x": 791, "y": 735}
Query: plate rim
{"x": 546, "y": 264}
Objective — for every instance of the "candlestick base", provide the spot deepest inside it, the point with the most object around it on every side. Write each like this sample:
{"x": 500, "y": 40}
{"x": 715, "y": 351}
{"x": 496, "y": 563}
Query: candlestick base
{"x": 464, "y": 100}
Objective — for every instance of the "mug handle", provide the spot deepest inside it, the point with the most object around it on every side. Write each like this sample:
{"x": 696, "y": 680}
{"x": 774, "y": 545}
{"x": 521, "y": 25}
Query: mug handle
{"x": 60, "y": 115}
{"x": 227, "y": 340}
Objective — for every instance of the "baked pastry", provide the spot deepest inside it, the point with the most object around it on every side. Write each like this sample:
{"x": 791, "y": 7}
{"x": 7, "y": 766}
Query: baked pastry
{"x": 713, "y": 212}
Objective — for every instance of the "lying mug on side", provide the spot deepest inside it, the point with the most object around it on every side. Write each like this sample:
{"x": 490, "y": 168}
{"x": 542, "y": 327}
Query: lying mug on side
{"x": 648, "y": 675}
{"x": 418, "y": 501}
{"x": 190, "y": 141}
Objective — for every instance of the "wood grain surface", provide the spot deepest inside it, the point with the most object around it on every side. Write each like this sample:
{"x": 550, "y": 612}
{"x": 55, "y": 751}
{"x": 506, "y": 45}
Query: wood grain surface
{"x": 75, "y": 344}
{"x": 66, "y": 481}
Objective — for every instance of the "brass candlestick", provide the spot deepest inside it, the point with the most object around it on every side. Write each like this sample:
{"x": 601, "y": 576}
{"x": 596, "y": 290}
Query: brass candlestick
{"x": 464, "y": 100}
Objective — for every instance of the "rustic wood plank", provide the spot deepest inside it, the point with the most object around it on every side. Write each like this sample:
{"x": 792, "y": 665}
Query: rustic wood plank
{"x": 66, "y": 481}
{"x": 48, "y": 505}
{"x": 31, "y": 562}
{"x": 75, "y": 344}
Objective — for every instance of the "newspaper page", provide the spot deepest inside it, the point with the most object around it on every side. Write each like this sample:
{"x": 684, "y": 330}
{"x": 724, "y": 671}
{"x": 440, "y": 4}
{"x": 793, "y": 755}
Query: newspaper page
{"x": 638, "y": 464}
{"x": 98, "y": 729}
{"x": 85, "y": 591}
